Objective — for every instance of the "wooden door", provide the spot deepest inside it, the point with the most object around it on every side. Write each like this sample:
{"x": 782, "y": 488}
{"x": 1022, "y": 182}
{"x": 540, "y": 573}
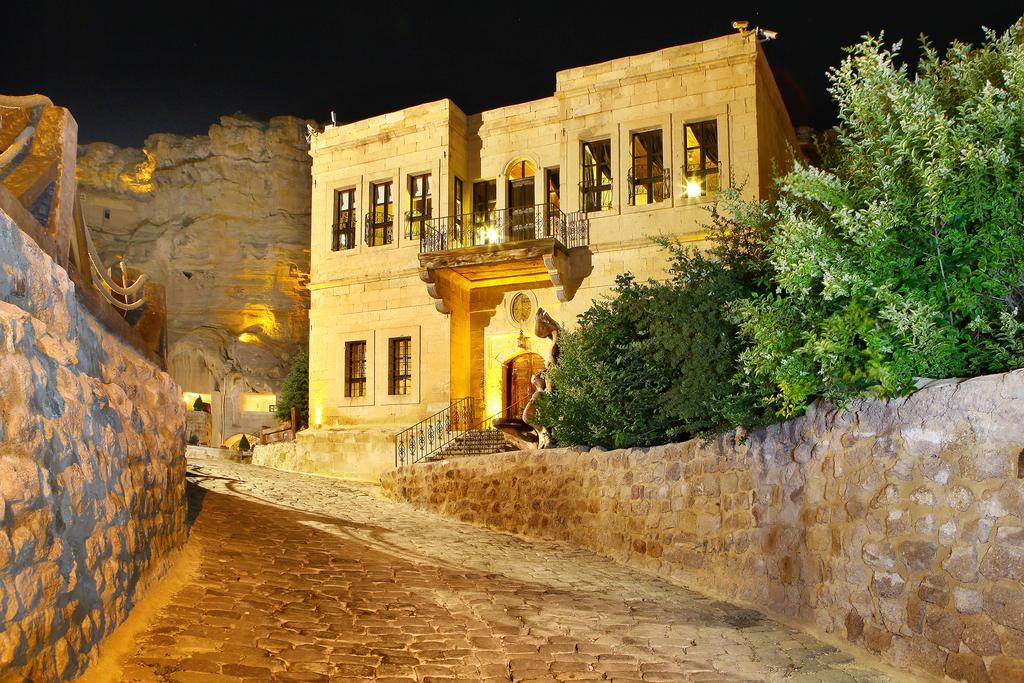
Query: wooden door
{"x": 518, "y": 387}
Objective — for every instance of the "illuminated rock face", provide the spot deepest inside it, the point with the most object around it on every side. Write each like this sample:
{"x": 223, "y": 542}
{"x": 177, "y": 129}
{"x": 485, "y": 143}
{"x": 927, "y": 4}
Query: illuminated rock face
{"x": 222, "y": 221}
{"x": 92, "y": 470}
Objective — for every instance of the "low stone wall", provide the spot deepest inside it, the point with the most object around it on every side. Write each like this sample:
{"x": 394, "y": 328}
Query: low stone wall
{"x": 348, "y": 453}
{"x": 899, "y": 525}
{"x": 92, "y": 470}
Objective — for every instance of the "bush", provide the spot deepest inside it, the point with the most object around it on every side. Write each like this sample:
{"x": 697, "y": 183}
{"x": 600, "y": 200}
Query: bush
{"x": 295, "y": 389}
{"x": 903, "y": 256}
{"x": 657, "y": 361}
{"x": 243, "y": 444}
{"x": 198, "y": 405}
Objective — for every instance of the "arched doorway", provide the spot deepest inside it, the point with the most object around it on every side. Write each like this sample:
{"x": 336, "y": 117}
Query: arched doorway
{"x": 521, "y": 201}
{"x": 518, "y": 387}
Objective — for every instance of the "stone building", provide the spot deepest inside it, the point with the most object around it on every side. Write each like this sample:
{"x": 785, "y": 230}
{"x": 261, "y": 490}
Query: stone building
{"x": 436, "y": 235}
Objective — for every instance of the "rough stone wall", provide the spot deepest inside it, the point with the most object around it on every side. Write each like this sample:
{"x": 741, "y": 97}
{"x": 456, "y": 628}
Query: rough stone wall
{"x": 899, "y": 525}
{"x": 92, "y": 470}
{"x": 361, "y": 454}
{"x": 222, "y": 221}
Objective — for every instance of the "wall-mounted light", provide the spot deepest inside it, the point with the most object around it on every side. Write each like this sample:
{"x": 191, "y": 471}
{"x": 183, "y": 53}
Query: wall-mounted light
{"x": 693, "y": 189}
{"x": 319, "y": 415}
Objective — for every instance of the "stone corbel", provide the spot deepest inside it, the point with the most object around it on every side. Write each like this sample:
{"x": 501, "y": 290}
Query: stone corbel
{"x": 435, "y": 290}
{"x": 567, "y": 270}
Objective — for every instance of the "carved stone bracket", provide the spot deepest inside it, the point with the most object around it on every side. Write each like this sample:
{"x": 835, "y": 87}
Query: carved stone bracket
{"x": 567, "y": 270}
{"x": 435, "y": 289}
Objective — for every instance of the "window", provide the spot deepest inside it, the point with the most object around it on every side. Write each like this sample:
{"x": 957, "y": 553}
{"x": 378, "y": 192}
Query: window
{"x": 457, "y": 210}
{"x": 420, "y": 204}
{"x": 343, "y": 232}
{"x": 648, "y": 183}
{"x": 553, "y": 191}
{"x": 457, "y": 197}
{"x": 596, "y": 183}
{"x": 355, "y": 369}
{"x": 485, "y": 200}
{"x": 106, "y": 214}
{"x": 381, "y": 216}
{"x": 399, "y": 366}
{"x": 700, "y": 150}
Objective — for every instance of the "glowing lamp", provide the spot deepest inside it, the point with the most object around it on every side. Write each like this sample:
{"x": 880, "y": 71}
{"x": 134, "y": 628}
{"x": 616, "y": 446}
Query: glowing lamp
{"x": 319, "y": 415}
{"x": 248, "y": 338}
{"x": 693, "y": 189}
{"x": 492, "y": 235}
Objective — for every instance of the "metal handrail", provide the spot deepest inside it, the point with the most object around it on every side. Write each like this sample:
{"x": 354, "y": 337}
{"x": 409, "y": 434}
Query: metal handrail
{"x": 434, "y": 433}
{"x": 659, "y": 186}
{"x": 501, "y": 226}
{"x": 344, "y": 228}
{"x": 372, "y": 225}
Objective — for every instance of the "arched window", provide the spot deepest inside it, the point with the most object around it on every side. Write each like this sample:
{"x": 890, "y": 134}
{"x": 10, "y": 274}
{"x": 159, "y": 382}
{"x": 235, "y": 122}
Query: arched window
{"x": 521, "y": 169}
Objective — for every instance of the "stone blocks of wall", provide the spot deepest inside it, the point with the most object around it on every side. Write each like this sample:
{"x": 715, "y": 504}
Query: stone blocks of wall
{"x": 898, "y": 526}
{"x": 92, "y": 470}
{"x": 360, "y": 453}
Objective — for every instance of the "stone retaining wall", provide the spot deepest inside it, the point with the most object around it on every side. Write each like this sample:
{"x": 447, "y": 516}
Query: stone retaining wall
{"x": 361, "y": 453}
{"x": 899, "y": 525}
{"x": 92, "y": 470}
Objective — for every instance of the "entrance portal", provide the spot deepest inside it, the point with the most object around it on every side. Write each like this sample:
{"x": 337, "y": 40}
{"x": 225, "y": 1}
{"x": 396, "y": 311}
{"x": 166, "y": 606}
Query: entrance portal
{"x": 518, "y": 387}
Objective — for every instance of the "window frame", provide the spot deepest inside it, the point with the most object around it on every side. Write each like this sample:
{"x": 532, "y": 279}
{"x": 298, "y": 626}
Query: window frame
{"x": 656, "y": 187}
{"x": 350, "y": 380}
{"x": 702, "y": 173}
{"x": 418, "y": 219}
{"x": 400, "y": 357}
{"x": 340, "y": 232}
{"x": 592, "y": 193}
{"x": 384, "y": 228}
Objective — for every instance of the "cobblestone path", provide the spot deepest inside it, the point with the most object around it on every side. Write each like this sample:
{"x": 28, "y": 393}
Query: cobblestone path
{"x": 308, "y": 579}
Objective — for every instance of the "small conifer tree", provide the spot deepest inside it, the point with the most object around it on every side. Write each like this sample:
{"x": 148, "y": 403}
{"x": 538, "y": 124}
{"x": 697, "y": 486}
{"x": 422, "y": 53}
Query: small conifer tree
{"x": 243, "y": 444}
{"x": 198, "y": 405}
{"x": 295, "y": 389}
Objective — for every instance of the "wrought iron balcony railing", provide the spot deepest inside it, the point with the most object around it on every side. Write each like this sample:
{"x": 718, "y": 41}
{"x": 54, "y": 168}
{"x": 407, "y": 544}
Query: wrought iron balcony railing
{"x": 502, "y": 226}
{"x": 378, "y": 229}
{"x": 595, "y": 197}
{"x": 343, "y": 233}
{"x": 650, "y": 189}
{"x": 415, "y": 224}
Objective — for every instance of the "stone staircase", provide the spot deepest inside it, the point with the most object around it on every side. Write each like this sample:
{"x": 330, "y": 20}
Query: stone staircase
{"x": 475, "y": 442}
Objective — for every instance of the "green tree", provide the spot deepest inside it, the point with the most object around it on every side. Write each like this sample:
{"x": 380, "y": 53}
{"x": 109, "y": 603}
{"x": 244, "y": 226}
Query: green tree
{"x": 902, "y": 256}
{"x": 198, "y": 405}
{"x": 657, "y": 361}
{"x": 295, "y": 389}
{"x": 243, "y": 443}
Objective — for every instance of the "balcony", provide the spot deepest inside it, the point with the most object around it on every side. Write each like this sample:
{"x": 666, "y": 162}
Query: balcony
{"x": 504, "y": 226}
{"x": 529, "y": 244}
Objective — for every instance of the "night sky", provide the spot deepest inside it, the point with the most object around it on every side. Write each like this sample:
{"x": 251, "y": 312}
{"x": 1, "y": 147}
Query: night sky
{"x": 126, "y": 71}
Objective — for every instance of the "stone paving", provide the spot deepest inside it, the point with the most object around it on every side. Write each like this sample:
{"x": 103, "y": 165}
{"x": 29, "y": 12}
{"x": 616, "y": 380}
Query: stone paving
{"x": 303, "y": 578}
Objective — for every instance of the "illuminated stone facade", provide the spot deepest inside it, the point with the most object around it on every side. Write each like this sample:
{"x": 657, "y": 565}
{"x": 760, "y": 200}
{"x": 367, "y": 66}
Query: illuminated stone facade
{"x": 540, "y": 204}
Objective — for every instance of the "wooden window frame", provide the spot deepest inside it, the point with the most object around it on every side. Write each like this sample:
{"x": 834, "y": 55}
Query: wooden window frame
{"x": 400, "y": 366}
{"x": 343, "y": 229}
{"x": 592, "y": 192}
{"x": 702, "y": 173}
{"x": 355, "y": 383}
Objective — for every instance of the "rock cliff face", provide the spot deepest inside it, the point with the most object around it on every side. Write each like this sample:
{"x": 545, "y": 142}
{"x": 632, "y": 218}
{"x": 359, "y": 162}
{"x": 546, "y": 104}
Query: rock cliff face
{"x": 222, "y": 221}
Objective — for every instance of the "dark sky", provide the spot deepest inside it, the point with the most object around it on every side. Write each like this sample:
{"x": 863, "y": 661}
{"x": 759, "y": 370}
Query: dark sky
{"x": 126, "y": 71}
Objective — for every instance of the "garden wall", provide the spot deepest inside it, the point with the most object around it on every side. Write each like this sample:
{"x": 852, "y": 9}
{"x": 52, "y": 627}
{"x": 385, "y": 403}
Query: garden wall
{"x": 92, "y": 470}
{"x": 899, "y": 525}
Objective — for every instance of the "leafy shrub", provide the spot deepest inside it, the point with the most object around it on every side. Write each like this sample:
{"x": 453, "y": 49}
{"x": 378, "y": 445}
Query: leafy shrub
{"x": 198, "y": 405}
{"x": 657, "y": 361}
{"x": 243, "y": 444}
{"x": 903, "y": 255}
{"x": 295, "y": 389}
